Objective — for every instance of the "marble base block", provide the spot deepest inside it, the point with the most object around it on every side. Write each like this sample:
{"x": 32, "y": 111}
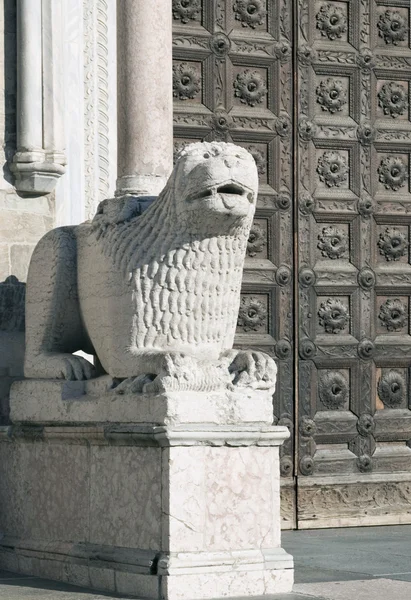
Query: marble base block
{"x": 57, "y": 401}
{"x": 181, "y": 511}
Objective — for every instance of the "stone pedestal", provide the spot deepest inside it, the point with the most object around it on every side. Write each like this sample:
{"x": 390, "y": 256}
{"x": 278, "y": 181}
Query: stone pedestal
{"x": 162, "y": 507}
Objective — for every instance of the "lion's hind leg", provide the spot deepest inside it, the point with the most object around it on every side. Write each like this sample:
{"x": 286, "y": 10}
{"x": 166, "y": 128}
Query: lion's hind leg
{"x": 54, "y": 328}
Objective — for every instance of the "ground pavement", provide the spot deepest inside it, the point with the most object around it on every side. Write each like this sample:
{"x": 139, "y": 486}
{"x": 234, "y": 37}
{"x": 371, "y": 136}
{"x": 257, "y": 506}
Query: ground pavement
{"x": 367, "y": 563}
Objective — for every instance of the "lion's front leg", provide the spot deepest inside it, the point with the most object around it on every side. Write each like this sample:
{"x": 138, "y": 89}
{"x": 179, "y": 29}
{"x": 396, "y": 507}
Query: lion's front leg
{"x": 250, "y": 368}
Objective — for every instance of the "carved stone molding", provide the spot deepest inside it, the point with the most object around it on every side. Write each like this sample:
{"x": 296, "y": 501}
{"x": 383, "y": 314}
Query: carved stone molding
{"x": 40, "y": 158}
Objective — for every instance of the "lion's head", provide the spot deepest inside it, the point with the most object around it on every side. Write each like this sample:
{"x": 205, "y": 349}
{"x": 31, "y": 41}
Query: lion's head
{"x": 215, "y": 179}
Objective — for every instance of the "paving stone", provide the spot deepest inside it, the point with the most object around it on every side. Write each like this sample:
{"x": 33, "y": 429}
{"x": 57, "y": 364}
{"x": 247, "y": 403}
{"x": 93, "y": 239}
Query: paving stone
{"x": 360, "y": 590}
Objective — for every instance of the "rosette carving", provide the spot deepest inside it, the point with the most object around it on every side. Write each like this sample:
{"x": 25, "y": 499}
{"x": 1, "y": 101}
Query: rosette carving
{"x": 331, "y": 21}
{"x": 392, "y": 389}
{"x": 332, "y": 169}
{"x": 366, "y": 349}
{"x": 221, "y": 121}
{"x": 250, "y": 12}
{"x": 250, "y": 87}
{"x": 306, "y": 129}
{"x": 364, "y": 463}
{"x": 366, "y": 134}
{"x": 307, "y": 465}
{"x": 286, "y": 466}
{"x": 333, "y": 243}
{"x": 283, "y": 202}
{"x": 186, "y": 10}
{"x": 366, "y": 278}
{"x": 393, "y": 244}
{"x": 186, "y": 82}
{"x": 283, "y": 51}
{"x": 393, "y": 173}
{"x": 257, "y": 240}
{"x": 365, "y": 424}
{"x": 283, "y": 126}
{"x": 393, "y": 27}
{"x": 306, "y": 277}
{"x": 283, "y": 349}
{"x": 365, "y": 207}
{"x": 306, "y": 55}
{"x": 220, "y": 44}
{"x": 393, "y": 314}
{"x": 393, "y": 99}
{"x": 366, "y": 59}
{"x": 307, "y": 427}
{"x": 331, "y": 95}
{"x": 334, "y": 315}
{"x": 283, "y": 275}
{"x": 307, "y": 349}
{"x": 252, "y": 314}
{"x": 333, "y": 390}
{"x": 306, "y": 203}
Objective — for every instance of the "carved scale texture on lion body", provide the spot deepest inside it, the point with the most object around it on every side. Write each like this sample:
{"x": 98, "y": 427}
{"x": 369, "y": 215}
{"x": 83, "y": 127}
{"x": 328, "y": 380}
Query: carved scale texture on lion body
{"x": 155, "y": 294}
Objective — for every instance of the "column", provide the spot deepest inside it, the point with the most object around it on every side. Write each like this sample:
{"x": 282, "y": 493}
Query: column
{"x": 145, "y": 101}
{"x": 40, "y": 159}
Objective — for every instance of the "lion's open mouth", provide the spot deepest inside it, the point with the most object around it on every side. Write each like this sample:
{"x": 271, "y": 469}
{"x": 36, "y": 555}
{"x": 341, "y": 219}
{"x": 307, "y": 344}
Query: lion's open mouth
{"x": 229, "y": 193}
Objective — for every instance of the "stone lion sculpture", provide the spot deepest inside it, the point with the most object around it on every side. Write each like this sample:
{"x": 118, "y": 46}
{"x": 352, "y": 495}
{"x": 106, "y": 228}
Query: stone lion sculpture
{"x": 153, "y": 295}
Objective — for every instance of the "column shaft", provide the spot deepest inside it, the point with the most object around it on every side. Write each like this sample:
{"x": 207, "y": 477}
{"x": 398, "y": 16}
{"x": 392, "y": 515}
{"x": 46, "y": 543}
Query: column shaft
{"x": 145, "y": 102}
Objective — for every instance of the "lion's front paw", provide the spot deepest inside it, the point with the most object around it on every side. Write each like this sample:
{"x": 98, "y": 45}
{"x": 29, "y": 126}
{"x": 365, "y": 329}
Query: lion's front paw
{"x": 252, "y": 369}
{"x": 59, "y": 366}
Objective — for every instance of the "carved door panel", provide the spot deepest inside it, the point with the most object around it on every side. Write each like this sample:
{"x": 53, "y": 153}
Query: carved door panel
{"x": 354, "y": 66}
{"x": 232, "y": 81}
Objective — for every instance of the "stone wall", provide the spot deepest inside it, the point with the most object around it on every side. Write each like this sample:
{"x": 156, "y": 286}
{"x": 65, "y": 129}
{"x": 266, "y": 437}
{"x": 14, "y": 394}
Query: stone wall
{"x": 23, "y": 220}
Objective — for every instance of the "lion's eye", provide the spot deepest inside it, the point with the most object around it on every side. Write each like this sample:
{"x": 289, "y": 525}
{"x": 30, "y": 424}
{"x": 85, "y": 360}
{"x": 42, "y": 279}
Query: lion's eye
{"x": 206, "y": 155}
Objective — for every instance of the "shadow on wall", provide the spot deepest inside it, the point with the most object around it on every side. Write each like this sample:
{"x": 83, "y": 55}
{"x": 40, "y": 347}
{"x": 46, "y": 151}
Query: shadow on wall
{"x": 12, "y": 325}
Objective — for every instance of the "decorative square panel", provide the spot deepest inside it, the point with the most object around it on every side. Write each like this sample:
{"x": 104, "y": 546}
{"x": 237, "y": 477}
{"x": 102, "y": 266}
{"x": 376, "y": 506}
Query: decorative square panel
{"x": 333, "y": 389}
{"x": 393, "y": 99}
{"x": 333, "y": 315}
{"x": 392, "y": 314}
{"x": 392, "y": 243}
{"x": 260, "y": 154}
{"x": 332, "y": 95}
{"x": 333, "y": 241}
{"x": 333, "y": 169}
{"x": 250, "y": 15}
{"x": 257, "y": 246}
{"x": 392, "y": 389}
{"x": 393, "y": 172}
{"x": 393, "y": 26}
{"x": 187, "y": 81}
{"x": 250, "y": 87}
{"x": 331, "y": 21}
{"x": 253, "y": 315}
